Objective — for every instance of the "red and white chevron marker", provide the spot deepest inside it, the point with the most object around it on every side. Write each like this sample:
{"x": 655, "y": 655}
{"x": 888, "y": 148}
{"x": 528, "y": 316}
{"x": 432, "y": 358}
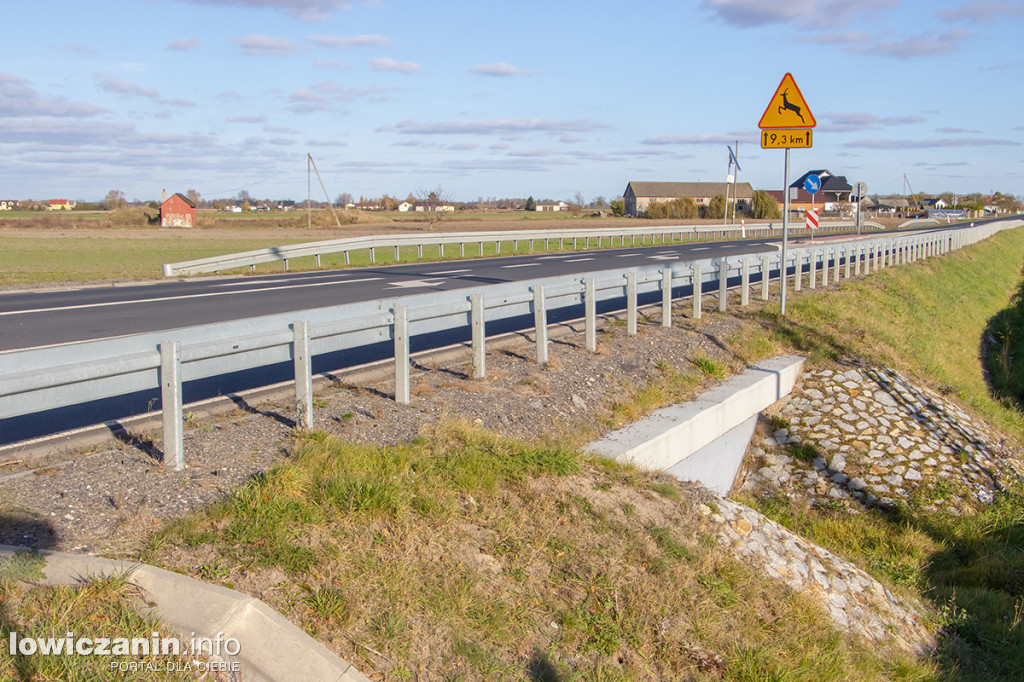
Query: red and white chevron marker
{"x": 812, "y": 219}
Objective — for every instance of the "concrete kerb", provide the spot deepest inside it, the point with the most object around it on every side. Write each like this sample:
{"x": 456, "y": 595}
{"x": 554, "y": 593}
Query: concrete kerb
{"x": 271, "y": 648}
{"x": 674, "y": 438}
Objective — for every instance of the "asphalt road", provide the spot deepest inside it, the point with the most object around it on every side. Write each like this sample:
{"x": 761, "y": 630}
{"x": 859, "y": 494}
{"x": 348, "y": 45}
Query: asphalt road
{"x": 33, "y": 319}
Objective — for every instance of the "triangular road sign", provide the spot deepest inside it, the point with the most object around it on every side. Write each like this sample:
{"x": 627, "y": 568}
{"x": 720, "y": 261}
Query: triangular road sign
{"x": 787, "y": 108}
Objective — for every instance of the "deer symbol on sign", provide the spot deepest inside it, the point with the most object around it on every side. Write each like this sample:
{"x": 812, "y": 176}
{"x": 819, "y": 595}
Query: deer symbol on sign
{"x": 787, "y": 105}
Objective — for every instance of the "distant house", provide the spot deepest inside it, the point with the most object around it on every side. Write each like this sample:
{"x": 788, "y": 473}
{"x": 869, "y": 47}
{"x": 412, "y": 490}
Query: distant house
{"x": 60, "y": 205}
{"x": 934, "y": 204}
{"x": 405, "y": 207}
{"x": 835, "y": 193}
{"x": 551, "y": 206}
{"x": 434, "y": 208}
{"x": 178, "y": 211}
{"x": 8, "y": 205}
{"x": 639, "y": 195}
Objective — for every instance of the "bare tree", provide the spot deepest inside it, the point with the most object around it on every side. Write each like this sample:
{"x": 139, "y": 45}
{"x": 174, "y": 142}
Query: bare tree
{"x": 115, "y": 199}
{"x": 435, "y": 204}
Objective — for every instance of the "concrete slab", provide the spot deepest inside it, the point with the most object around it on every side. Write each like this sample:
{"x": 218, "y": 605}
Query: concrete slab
{"x": 668, "y": 437}
{"x": 271, "y": 648}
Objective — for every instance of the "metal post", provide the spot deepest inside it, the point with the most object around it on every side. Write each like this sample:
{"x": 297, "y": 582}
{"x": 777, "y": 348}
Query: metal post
{"x": 631, "y": 314}
{"x": 785, "y": 229}
{"x": 303, "y": 362}
{"x": 401, "y": 334}
{"x": 540, "y": 323}
{"x": 745, "y": 282}
{"x": 847, "y": 249}
{"x": 723, "y": 284}
{"x": 170, "y": 403}
{"x": 814, "y": 268}
{"x": 476, "y": 306}
{"x": 697, "y": 291}
{"x": 666, "y": 297}
{"x": 590, "y": 308}
{"x": 824, "y": 267}
{"x": 766, "y": 275}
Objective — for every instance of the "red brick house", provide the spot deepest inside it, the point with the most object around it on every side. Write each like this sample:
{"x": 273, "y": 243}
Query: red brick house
{"x": 178, "y": 211}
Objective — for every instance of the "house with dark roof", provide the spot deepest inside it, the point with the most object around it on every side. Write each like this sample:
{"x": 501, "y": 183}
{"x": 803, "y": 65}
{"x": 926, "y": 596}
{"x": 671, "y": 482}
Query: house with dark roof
{"x": 834, "y": 196}
{"x": 178, "y": 211}
{"x": 639, "y": 195}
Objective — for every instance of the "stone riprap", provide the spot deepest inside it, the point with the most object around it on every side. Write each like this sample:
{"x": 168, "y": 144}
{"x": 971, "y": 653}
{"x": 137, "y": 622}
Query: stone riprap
{"x": 869, "y": 436}
{"x": 856, "y": 602}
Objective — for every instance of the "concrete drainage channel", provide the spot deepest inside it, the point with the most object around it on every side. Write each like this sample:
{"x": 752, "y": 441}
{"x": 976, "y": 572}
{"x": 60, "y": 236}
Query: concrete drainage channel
{"x": 269, "y": 647}
{"x": 705, "y": 440}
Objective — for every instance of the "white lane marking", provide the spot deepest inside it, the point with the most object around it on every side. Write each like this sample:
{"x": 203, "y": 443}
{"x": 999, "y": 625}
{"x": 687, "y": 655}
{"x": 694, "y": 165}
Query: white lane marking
{"x": 179, "y": 298}
{"x": 276, "y": 281}
{"x": 578, "y": 260}
{"x": 521, "y": 265}
{"x": 448, "y": 272}
{"x": 562, "y": 255}
{"x": 627, "y": 255}
{"x": 414, "y": 283}
{"x": 662, "y": 257}
{"x": 700, "y": 248}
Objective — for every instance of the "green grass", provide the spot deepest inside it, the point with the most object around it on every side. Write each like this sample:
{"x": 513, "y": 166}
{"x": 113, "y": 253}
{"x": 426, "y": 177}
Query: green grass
{"x": 95, "y": 608}
{"x": 483, "y": 557}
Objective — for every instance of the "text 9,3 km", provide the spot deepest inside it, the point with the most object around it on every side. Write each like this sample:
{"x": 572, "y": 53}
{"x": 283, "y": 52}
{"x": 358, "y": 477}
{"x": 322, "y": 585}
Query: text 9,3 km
{"x": 782, "y": 139}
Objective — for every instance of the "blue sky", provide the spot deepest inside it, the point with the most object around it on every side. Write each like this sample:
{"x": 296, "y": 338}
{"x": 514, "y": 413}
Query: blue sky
{"x": 500, "y": 99}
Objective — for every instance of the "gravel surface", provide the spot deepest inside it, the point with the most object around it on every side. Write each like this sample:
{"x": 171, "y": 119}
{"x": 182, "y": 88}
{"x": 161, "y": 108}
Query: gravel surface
{"x": 109, "y": 502}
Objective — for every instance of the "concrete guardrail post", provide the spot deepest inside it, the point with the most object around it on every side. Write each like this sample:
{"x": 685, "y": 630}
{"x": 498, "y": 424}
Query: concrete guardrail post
{"x": 856, "y": 259}
{"x": 476, "y": 320}
{"x": 373, "y": 257}
{"x": 540, "y": 323}
{"x": 814, "y": 268}
{"x": 171, "y": 404}
{"x": 303, "y": 363}
{"x": 847, "y": 252}
{"x": 631, "y": 312}
{"x": 798, "y": 270}
{"x": 824, "y": 266}
{"x": 867, "y": 259}
{"x": 745, "y": 282}
{"x": 401, "y": 336}
{"x": 723, "y": 284}
{"x": 590, "y": 308}
{"x": 666, "y": 296}
{"x": 697, "y": 291}
{"x": 835, "y": 265}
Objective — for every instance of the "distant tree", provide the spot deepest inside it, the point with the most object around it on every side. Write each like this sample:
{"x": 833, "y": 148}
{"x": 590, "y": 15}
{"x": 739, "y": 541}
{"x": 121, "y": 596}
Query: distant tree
{"x": 531, "y": 205}
{"x": 433, "y": 201}
{"x": 194, "y": 196}
{"x": 618, "y": 207}
{"x": 683, "y": 207}
{"x": 599, "y": 202}
{"x": 764, "y": 207}
{"x": 343, "y": 199}
{"x": 115, "y": 199}
{"x": 244, "y": 197}
{"x": 715, "y": 210}
{"x": 578, "y": 203}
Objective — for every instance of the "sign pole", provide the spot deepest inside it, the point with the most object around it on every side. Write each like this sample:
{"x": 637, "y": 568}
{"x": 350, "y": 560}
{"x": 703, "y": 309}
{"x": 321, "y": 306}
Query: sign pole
{"x": 785, "y": 229}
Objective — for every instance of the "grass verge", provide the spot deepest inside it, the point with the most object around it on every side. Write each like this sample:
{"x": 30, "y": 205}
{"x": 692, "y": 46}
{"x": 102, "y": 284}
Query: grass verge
{"x": 471, "y": 556}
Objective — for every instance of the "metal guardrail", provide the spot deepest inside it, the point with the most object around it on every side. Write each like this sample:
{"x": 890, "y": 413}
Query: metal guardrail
{"x": 35, "y": 380}
{"x": 664, "y": 234}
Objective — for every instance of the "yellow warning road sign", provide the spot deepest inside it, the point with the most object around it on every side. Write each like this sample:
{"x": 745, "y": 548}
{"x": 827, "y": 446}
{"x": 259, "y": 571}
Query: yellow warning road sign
{"x": 787, "y": 108}
{"x": 781, "y": 139}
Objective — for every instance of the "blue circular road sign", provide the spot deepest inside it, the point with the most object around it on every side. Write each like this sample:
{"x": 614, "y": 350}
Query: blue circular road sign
{"x": 812, "y": 183}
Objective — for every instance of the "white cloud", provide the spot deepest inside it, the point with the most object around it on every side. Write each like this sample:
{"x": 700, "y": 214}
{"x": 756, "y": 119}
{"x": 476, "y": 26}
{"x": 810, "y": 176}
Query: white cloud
{"x": 18, "y": 98}
{"x": 365, "y": 40}
{"x": 983, "y": 12}
{"x": 853, "y": 121}
{"x": 707, "y": 138}
{"x": 182, "y": 44}
{"x": 259, "y": 45}
{"x": 920, "y": 45}
{"x": 306, "y": 10}
{"x": 940, "y": 143}
{"x": 500, "y": 70}
{"x": 812, "y": 14}
{"x": 119, "y": 86}
{"x": 508, "y": 127}
{"x": 388, "y": 64}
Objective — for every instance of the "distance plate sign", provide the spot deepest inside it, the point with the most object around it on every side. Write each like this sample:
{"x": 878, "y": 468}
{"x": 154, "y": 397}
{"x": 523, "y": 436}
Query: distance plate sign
{"x": 783, "y": 139}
